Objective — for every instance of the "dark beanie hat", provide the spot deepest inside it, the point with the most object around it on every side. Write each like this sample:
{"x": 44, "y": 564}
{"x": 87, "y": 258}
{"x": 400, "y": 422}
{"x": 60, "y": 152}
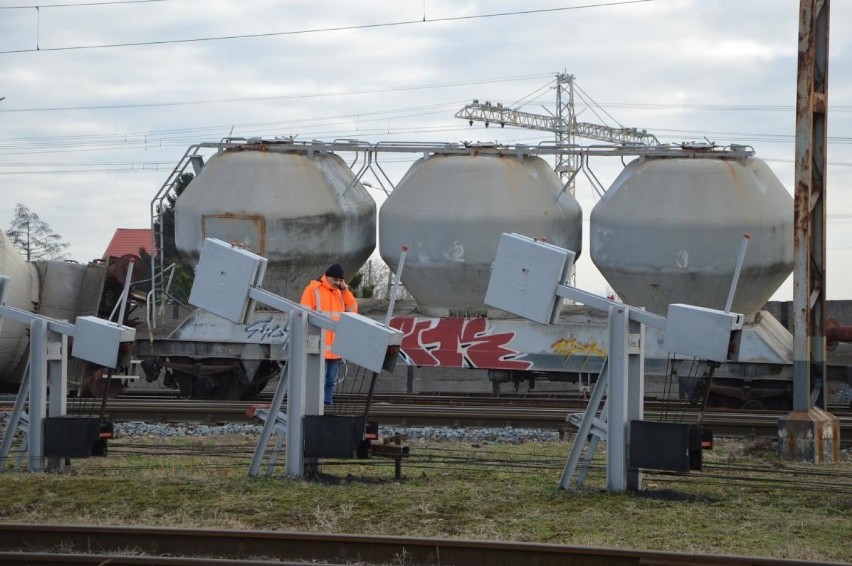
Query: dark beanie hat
{"x": 334, "y": 270}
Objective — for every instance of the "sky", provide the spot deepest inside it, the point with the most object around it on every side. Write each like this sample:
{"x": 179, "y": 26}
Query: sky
{"x": 102, "y": 98}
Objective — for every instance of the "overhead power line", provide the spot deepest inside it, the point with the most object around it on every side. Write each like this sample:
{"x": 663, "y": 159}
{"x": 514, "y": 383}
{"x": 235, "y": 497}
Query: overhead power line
{"x": 424, "y": 20}
{"x": 715, "y": 107}
{"x": 276, "y": 97}
{"x": 78, "y": 4}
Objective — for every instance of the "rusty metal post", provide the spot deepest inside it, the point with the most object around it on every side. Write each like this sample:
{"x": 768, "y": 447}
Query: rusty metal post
{"x": 809, "y": 432}
{"x": 809, "y": 214}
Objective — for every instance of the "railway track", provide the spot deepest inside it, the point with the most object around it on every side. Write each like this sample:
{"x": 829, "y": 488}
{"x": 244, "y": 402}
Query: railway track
{"x": 119, "y": 546}
{"x": 456, "y": 411}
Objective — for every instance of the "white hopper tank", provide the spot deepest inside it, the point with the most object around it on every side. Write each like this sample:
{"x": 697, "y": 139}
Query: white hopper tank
{"x": 451, "y": 210}
{"x": 302, "y": 212}
{"x": 669, "y": 230}
{"x": 22, "y": 293}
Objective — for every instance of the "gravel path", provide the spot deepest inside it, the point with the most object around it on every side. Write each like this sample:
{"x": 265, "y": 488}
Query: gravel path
{"x": 493, "y": 435}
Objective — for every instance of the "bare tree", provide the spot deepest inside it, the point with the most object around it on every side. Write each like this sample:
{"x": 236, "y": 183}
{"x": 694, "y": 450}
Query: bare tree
{"x": 33, "y": 237}
{"x": 184, "y": 275}
{"x": 379, "y": 277}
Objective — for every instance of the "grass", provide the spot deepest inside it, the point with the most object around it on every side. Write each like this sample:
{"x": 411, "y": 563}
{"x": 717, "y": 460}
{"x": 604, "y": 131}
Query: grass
{"x": 456, "y": 490}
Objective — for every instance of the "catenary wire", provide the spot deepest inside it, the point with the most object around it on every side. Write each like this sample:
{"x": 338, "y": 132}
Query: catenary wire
{"x": 79, "y": 4}
{"x": 399, "y": 23}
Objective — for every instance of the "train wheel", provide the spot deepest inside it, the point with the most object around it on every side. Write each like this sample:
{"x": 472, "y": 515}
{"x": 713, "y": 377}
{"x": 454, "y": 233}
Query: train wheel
{"x": 227, "y": 384}
{"x": 719, "y": 401}
{"x": 184, "y": 383}
{"x": 267, "y": 371}
{"x": 232, "y": 389}
{"x": 95, "y": 383}
{"x": 753, "y": 405}
{"x": 779, "y": 403}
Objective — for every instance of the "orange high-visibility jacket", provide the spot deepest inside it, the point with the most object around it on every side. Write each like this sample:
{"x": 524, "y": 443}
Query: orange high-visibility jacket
{"x": 320, "y": 296}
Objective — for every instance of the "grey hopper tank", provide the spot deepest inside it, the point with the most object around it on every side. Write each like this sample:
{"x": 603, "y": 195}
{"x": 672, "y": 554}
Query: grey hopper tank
{"x": 451, "y": 210}
{"x": 301, "y": 212}
{"x": 669, "y": 230}
{"x": 21, "y": 293}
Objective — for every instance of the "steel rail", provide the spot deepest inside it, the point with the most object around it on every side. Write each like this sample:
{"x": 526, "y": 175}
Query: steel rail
{"x": 471, "y": 414}
{"x": 114, "y": 545}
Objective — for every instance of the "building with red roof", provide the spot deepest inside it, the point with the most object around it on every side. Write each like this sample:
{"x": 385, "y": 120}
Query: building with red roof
{"x": 128, "y": 241}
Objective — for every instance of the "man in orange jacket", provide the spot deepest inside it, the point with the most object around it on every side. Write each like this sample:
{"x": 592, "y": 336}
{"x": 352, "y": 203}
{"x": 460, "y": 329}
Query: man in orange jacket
{"x": 329, "y": 295}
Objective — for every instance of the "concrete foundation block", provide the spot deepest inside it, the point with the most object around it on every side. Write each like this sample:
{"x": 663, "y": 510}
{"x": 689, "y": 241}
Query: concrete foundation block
{"x": 809, "y": 436}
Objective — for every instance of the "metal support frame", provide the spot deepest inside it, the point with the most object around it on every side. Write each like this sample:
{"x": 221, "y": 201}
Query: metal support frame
{"x": 566, "y": 164}
{"x": 47, "y": 370}
{"x": 18, "y": 422}
{"x": 622, "y": 382}
{"x": 521, "y": 284}
{"x": 617, "y": 421}
{"x": 810, "y": 206}
{"x": 279, "y": 430}
{"x": 302, "y": 386}
{"x": 591, "y": 429}
{"x": 810, "y": 432}
{"x": 227, "y": 284}
{"x": 305, "y": 378}
{"x": 47, "y": 366}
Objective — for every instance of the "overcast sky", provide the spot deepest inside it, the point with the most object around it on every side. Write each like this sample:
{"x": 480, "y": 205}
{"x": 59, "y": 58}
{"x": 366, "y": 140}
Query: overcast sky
{"x": 103, "y": 98}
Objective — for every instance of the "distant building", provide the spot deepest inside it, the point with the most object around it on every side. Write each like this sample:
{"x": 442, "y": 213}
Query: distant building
{"x": 128, "y": 241}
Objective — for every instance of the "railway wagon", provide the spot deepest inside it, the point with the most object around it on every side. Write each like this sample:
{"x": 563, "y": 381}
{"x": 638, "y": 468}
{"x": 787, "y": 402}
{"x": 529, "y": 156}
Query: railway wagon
{"x": 667, "y": 230}
{"x": 63, "y": 290}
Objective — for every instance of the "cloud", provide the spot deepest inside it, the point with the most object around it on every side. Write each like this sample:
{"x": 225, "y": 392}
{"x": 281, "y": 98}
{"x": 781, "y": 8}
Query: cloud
{"x": 684, "y": 69}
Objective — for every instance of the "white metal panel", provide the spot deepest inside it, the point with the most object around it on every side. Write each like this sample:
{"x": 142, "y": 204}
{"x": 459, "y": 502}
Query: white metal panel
{"x": 524, "y": 278}
{"x": 97, "y": 340}
{"x": 700, "y": 332}
{"x": 223, "y": 278}
{"x": 363, "y": 341}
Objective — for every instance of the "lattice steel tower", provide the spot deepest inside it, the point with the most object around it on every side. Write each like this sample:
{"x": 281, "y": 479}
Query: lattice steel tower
{"x": 563, "y": 124}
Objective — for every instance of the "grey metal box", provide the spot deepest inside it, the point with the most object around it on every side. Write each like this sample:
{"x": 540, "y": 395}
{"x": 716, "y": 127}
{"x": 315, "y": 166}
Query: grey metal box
{"x": 700, "y": 332}
{"x": 524, "y": 277}
{"x": 97, "y": 340}
{"x": 332, "y": 436}
{"x": 70, "y": 437}
{"x": 659, "y": 446}
{"x": 223, "y": 279}
{"x": 363, "y": 341}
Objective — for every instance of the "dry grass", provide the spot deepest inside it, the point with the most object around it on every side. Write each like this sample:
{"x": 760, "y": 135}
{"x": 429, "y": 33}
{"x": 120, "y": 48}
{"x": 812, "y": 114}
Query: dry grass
{"x": 483, "y": 492}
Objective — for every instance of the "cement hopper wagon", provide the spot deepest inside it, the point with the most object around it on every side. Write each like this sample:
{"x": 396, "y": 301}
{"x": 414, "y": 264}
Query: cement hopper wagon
{"x": 299, "y": 206}
{"x": 21, "y": 293}
{"x": 60, "y": 290}
{"x": 669, "y": 230}
{"x": 302, "y": 212}
{"x": 451, "y": 210}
